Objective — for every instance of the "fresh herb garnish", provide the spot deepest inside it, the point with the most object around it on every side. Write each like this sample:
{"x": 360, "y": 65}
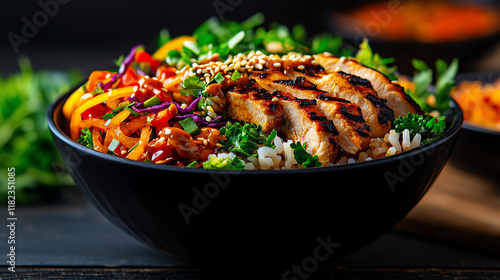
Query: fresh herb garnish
{"x": 192, "y": 86}
{"x": 366, "y": 57}
{"x": 428, "y": 127}
{"x": 152, "y": 101}
{"x": 190, "y": 126}
{"x": 193, "y": 164}
{"x": 445, "y": 80}
{"x": 86, "y": 138}
{"x": 223, "y": 163}
{"x": 231, "y": 37}
{"x": 244, "y": 138}
{"x": 303, "y": 157}
{"x": 235, "y": 76}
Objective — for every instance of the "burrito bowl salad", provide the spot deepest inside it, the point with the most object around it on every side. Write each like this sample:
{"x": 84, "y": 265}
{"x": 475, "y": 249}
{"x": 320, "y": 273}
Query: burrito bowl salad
{"x": 238, "y": 96}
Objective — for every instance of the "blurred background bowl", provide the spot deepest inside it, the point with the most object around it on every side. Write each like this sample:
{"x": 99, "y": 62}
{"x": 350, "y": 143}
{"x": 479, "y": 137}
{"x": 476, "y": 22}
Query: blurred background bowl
{"x": 219, "y": 219}
{"x": 427, "y": 30}
{"x": 477, "y": 149}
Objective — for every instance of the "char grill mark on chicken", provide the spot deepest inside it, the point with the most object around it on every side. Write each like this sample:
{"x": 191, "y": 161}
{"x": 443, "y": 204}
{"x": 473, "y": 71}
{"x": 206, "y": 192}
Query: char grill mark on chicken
{"x": 354, "y": 134}
{"x": 374, "y": 111}
{"x": 307, "y": 124}
{"x": 254, "y": 105}
{"x": 396, "y": 98}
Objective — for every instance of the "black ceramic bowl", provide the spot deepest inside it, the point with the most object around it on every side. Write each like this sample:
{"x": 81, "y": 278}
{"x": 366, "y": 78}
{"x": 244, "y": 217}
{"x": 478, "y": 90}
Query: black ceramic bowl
{"x": 477, "y": 149}
{"x": 254, "y": 219}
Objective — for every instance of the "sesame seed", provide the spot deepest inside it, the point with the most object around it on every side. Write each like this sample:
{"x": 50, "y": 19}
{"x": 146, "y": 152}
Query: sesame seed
{"x": 262, "y": 61}
{"x": 337, "y": 69}
{"x": 219, "y": 145}
{"x": 277, "y": 64}
{"x": 207, "y": 79}
{"x": 244, "y": 62}
{"x": 395, "y": 82}
{"x": 208, "y": 119}
{"x": 135, "y": 88}
{"x": 342, "y": 59}
{"x": 275, "y": 99}
{"x": 198, "y": 71}
{"x": 259, "y": 66}
{"x": 301, "y": 67}
{"x": 123, "y": 152}
{"x": 314, "y": 62}
{"x": 184, "y": 105}
{"x": 205, "y": 142}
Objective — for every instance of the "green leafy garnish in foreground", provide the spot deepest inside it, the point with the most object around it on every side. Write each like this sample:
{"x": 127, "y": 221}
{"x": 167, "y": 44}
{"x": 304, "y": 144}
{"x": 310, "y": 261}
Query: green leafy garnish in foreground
{"x": 366, "y": 57}
{"x": 25, "y": 141}
{"x": 303, "y": 157}
{"x": 445, "y": 81}
{"x": 86, "y": 138}
{"x": 244, "y": 138}
{"x": 223, "y": 163}
{"x": 429, "y": 127}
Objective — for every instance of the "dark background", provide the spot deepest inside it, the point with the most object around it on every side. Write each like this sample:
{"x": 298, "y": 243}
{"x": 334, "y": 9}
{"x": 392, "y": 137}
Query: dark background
{"x": 89, "y": 34}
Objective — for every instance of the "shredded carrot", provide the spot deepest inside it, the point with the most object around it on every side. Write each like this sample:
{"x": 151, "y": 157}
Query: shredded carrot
{"x": 95, "y": 140}
{"x": 143, "y": 142}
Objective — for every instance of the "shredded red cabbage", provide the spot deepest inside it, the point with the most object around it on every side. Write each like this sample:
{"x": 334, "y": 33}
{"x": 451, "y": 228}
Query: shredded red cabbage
{"x": 123, "y": 67}
{"x": 157, "y": 108}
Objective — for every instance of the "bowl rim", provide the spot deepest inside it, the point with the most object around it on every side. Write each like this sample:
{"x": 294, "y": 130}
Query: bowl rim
{"x": 454, "y": 128}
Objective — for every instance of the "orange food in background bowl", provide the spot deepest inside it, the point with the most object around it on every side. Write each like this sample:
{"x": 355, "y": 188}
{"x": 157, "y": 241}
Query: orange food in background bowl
{"x": 479, "y": 102}
{"x": 426, "y": 21}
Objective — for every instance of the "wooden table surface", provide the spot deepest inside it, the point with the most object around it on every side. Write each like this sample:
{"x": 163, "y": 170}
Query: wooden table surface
{"x": 72, "y": 240}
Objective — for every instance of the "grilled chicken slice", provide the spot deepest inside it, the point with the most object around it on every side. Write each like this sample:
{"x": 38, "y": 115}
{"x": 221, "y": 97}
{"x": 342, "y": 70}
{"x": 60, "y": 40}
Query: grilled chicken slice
{"x": 396, "y": 98}
{"x": 305, "y": 123}
{"x": 354, "y": 134}
{"x": 375, "y": 112}
{"x": 254, "y": 105}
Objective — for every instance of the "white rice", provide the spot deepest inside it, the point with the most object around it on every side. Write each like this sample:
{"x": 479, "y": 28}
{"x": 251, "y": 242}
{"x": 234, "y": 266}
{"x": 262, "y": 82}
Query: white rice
{"x": 282, "y": 156}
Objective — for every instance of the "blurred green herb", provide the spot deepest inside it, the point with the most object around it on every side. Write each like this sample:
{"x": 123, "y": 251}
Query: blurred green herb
{"x": 25, "y": 141}
{"x": 366, "y": 56}
{"x": 230, "y": 38}
{"x": 445, "y": 81}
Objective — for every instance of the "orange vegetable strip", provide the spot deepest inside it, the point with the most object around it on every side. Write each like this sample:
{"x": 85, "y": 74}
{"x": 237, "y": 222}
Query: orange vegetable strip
{"x": 96, "y": 123}
{"x": 76, "y": 118}
{"x": 135, "y": 124}
{"x": 127, "y": 142}
{"x": 70, "y": 104}
{"x": 143, "y": 142}
{"x": 107, "y": 141}
{"x": 95, "y": 140}
{"x": 119, "y": 118}
{"x": 174, "y": 44}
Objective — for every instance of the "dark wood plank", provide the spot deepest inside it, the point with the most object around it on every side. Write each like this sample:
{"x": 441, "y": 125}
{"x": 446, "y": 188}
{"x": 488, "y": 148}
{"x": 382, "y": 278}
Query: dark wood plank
{"x": 339, "y": 273}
